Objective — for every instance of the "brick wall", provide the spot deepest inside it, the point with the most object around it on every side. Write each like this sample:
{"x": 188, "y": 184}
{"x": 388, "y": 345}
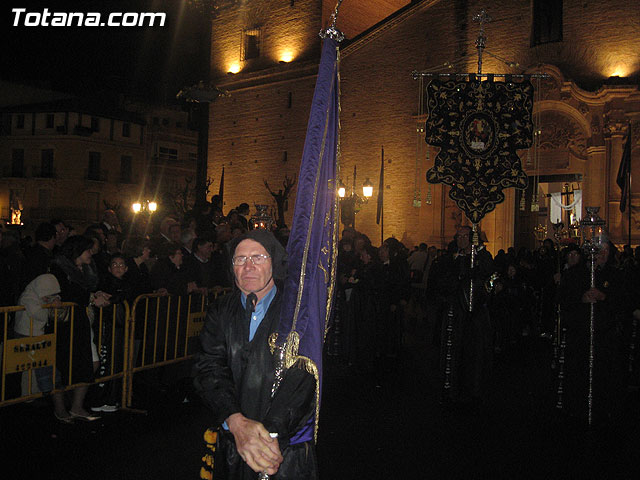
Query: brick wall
{"x": 284, "y": 29}
{"x": 379, "y": 101}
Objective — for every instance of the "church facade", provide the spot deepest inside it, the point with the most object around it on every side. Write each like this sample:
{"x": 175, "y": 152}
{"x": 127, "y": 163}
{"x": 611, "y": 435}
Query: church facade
{"x": 265, "y": 53}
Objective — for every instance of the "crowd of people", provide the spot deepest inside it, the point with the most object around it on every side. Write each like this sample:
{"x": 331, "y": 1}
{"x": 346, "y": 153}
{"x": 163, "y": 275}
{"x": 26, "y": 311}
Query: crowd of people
{"x": 475, "y": 313}
{"x": 101, "y": 268}
{"x": 479, "y": 314}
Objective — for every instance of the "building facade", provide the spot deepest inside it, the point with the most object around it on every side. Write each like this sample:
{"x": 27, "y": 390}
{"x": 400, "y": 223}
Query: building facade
{"x": 70, "y": 159}
{"x": 583, "y": 109}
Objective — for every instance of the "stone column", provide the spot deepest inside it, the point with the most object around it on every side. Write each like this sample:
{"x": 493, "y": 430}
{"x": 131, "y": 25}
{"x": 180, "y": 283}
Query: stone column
{"x": 616, "y": 224}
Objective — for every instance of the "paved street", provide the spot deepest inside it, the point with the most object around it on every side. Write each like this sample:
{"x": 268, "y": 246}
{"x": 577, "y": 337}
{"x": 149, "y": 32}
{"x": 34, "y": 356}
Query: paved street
{"x": 390, "y": 427}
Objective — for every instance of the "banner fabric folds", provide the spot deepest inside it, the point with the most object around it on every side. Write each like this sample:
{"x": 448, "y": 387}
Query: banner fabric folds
{"x": 312, "y": 247}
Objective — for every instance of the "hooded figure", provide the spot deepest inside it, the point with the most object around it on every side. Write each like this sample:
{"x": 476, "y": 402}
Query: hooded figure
{"x": 271, "y": 244}
{"x": 235, "y": 371}
{"x": 41, "y": 290}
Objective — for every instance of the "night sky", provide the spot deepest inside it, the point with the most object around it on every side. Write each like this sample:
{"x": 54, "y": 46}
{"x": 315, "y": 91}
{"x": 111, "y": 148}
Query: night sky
{"x": 153, "y": 62}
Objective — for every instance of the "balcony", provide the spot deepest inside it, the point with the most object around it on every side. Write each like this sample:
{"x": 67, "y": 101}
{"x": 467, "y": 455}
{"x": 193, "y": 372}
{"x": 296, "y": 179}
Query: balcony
{"x": 95, "y": 175}
{"x": 39, "y": 172}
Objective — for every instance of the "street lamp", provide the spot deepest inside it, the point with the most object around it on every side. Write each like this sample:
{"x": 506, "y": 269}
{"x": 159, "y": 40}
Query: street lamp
{"x": 342, "y": 189}
{"x": 367, "y": 189}
{"x": 350, "y": 205}
{"x": 144, "y": 206}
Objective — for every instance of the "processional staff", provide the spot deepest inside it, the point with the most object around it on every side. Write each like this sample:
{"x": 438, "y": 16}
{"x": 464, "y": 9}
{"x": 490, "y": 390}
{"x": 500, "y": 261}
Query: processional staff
{"x": 593, "y": 228}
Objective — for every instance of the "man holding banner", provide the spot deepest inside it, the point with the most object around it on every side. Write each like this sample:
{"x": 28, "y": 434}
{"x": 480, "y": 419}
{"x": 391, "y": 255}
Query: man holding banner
{"x": 235, "y": 371}
{"x": 260, "y": 368}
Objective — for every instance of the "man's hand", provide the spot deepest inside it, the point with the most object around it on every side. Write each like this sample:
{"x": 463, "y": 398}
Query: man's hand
{"x": 254, "y": 444}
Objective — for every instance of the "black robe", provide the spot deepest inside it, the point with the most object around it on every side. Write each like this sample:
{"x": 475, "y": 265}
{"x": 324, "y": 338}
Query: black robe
{"x": 233, "y": 374}
{"x": 466, "y": 344}
{"x": 608, "y": 355}
{"x": 75, "y": 286}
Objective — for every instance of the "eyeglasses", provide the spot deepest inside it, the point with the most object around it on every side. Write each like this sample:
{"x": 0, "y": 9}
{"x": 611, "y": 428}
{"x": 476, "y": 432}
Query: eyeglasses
{"x": 255, "y": 259}
{"x": 121, "y": 265}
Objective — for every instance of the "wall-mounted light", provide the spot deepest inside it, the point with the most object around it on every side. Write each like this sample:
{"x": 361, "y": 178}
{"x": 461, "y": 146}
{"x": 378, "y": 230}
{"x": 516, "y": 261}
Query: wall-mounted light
{"x": 286, "y": 57}
{"x": 234, "y": 68}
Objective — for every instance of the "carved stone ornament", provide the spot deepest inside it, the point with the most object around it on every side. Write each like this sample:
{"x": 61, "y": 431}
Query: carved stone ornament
{"x": 560, "y": 132}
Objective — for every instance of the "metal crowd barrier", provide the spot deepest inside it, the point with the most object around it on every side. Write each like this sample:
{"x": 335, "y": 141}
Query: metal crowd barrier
{"x": 164, "y": 334}
{"x": 158, "y": 330}
{"x": 26, "y": 354}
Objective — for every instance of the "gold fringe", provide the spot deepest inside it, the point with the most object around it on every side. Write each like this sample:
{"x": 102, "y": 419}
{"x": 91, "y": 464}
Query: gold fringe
{"x": 292, "y": 359}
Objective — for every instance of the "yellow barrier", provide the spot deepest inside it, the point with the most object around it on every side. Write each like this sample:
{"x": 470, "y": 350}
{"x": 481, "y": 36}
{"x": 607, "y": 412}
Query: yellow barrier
{"x": 168, "y": 322}
{"x": 28, "y": 353}
{"x": 164, "y": 330}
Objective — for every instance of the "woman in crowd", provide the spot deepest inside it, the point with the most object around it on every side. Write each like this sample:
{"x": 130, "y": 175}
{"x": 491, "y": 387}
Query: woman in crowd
{"x": 34, "y": 321}
{"x": 168, "y": 273}
{"x": 137, "y": 252}
{"x": 77, "y": 286}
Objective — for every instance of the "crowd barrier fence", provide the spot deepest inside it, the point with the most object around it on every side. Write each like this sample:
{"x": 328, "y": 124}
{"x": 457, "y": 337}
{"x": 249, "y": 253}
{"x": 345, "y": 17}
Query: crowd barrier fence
{"x": 158, "y": 330}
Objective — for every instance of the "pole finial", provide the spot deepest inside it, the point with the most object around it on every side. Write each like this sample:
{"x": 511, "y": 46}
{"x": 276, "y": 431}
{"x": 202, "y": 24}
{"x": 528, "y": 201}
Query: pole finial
{"x": 332, "y": 31}
{"x": 481, "y": 17}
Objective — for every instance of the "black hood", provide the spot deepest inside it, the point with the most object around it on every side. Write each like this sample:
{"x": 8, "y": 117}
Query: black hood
{"x": 270, "y": 243}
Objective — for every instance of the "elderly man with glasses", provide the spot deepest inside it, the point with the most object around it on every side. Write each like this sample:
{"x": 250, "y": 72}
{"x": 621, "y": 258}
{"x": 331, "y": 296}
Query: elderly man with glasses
{"x": 235, "y": 371}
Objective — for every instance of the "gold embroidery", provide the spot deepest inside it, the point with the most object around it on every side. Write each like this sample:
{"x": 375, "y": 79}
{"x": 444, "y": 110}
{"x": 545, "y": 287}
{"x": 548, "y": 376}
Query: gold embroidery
{"x": 305, "y": 254}
{"x": 326, "y": 274}
{"x": 292, "y": 342}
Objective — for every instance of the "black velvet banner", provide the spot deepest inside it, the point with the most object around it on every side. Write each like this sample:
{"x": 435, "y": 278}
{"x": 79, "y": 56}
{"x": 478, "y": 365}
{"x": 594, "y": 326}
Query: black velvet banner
{"x": 479, "y": 126}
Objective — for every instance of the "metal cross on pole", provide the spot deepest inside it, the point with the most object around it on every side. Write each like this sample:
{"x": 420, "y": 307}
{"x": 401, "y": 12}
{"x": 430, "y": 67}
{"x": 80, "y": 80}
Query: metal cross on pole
{"x": 482, "y": 17}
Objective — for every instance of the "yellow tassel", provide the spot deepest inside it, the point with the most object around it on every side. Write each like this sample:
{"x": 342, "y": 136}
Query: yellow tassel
{"x": 206, "y": 474}
{"x": 210, "y": 436}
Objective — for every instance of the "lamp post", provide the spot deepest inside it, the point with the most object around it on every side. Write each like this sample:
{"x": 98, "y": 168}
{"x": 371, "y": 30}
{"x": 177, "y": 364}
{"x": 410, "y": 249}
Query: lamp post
{"x": 349, "y": 205}
{"x": 593, "y": 241}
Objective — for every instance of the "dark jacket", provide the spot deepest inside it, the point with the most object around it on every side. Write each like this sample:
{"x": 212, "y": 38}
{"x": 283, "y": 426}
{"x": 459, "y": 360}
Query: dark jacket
{"x": 234, "y": 375}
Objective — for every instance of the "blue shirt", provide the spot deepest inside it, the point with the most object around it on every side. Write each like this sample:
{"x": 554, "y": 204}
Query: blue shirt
{"x": 261, "y": 310}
